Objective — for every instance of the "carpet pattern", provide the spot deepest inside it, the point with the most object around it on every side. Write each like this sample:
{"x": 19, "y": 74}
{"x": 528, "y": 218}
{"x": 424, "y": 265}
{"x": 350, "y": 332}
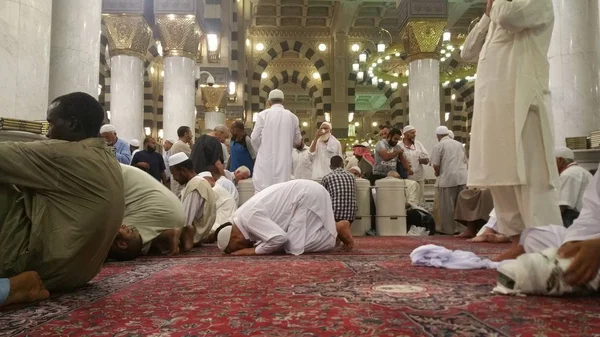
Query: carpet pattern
{"x": 372, "y": 291}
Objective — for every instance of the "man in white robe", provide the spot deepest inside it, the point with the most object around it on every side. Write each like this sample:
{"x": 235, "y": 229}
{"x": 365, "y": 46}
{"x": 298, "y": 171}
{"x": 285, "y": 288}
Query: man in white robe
{"x": 573, "y": 182}
{"x": 224, "y": 202}
{"x": 295, "y": 216}
{"x": 417, "y": 156}
{"x": 275, "y": 134}
{"x": 322, "y": 149}
{"x": 301, "y": 162}
{"x": 581, "y": 241}
{"x": 224, "y": 182}
{"x": 512, "y": 138}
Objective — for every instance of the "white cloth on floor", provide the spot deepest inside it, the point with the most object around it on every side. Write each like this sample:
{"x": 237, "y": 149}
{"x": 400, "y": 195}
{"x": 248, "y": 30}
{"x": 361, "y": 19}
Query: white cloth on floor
{"x": 441, "y": 257}
{"x": 538, "y": 274}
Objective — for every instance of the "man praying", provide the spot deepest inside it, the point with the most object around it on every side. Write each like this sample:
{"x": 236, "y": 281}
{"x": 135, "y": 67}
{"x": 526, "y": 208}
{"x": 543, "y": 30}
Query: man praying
{"x": 183, "y": 144}
{"x": 573, "y": 182}
{"x": 225, "y": 204}
{"x": 223, "y": 181}
{"x": 61, "y": 202}
{"x": 295, "y": 217}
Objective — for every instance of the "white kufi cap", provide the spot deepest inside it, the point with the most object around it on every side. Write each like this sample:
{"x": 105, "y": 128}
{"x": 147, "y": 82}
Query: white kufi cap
{"x": 134, "y": 142}
{"x": 177, "y": 158}
{"x": 356, "y": 168}
{"x": 223, "y": 237}
{"x": 442, "y": 130}
{"x": 564, "y": 152}
{"x": 408, "y": 128}
{"x": 205, "y": 174}
{"x": 170, "y": 140}
{"x": 107, "y": 128}
{"x": 275, "y": 94}
{"x": 451, "y": 134}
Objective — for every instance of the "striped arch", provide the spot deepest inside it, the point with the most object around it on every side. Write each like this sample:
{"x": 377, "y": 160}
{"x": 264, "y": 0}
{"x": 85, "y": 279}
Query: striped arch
{"x": 306, "y": 51}
{"x": 292, "y": 76}
{"x": 104, "y": 72}
{"x": 466, "y": 91}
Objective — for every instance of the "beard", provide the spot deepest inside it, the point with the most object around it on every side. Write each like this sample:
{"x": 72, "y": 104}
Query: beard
{"x": 325, "y": 137}
{"x": 151, "y": 149}
{"x": 392, "y": 143}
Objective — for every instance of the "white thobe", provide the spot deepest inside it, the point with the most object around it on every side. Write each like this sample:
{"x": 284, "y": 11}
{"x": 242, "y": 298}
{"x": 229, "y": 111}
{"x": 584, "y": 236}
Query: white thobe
{"x": 413, "y": 153}
{"x": 321, "y": 160}
{"x": 512, "y": 78}
{"x": 226, "y": 206}
{"x": 573, "y": 182}
{"x": 166, "y": 156}
{"x": 301, "y": 164}
{"x": 352, "y": 161}
{"x": 275, "y": 134}
{"x": 585, "y": 227}
{"x": 225, "y": 154}
{"x": 296, "y": 215}
{"x": 229, "y": 186}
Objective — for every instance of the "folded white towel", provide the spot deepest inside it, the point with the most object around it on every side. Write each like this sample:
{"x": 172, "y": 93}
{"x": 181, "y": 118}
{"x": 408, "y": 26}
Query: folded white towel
{"x": 440, "y": 257}
{"x": 540, "y": 274}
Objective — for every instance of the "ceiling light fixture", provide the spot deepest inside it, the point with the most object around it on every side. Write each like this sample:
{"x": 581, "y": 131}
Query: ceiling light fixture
{"x": 322, "y": 47}
{"x": 355, "y": 47}
{"x": 259, "y": 46}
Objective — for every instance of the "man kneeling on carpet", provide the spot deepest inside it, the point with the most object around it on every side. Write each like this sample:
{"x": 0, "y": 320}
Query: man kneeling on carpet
{"x": 294, "y": 216}
{"x": 153, "y": 218}
{"x": 225, "y": 204}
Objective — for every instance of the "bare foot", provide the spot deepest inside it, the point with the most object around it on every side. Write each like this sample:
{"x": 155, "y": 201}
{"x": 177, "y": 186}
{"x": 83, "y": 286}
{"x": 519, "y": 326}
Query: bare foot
{"x": 345, "y": 235}
{"x": 25, "y": 288}
{"x": 485, "y": 237}
{"x": 467, "y": 234}
{"x": 187, "y": 238}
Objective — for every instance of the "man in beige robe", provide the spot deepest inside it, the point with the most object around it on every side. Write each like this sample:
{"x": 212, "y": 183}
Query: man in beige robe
{"x": 182, "y": 145}
{"x": 512, "y": 137}
{"x": 61, "y": 200}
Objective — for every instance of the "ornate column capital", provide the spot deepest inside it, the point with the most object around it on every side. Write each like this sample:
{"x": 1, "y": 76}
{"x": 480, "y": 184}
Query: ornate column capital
{"x": 214, "y": 98}
{"x": 179, "y": 34}
{"x": 127, "y": 35}
{"x": 422, "y": 37}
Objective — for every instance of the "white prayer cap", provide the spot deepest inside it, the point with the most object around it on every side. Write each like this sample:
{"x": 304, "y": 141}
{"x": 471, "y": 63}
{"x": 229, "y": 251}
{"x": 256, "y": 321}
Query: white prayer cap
{"x": 134, "y": 142}
{"x": 107, "y": 128}
{"x": 275, "y": 94}
{"x": 177, "y": 158}
{"x": 223, "y": 237}
{"x": 564, "y": 152}
{"x": 451, "y": 134}
{"x": 408, "y": 128}
{"x": 442, "y": 130}
{"x": 205, "y": 174}
{"x": 365, "y": 144}
{"x": 325, "y": 123}
{"x": 355, "y": 168}
{"x": 170, "y": 140}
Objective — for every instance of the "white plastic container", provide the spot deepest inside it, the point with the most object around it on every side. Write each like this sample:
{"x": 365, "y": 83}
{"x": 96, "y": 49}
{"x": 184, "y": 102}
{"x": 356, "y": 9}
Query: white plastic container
{"x": 245, "y": 190}
{"x": 390, "y": 206}
{"x": 362, "y": 221}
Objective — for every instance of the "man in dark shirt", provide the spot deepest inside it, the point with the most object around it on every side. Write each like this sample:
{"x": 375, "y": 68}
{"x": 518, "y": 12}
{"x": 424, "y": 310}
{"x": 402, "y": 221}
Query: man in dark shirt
{"x": 150, "y": 161}
{"x": 208, "y": 149}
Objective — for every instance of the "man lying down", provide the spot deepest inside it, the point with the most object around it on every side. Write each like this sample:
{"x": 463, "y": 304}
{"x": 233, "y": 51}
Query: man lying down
{"x": 559, "y": 260}
{"x": 295, "y": 217}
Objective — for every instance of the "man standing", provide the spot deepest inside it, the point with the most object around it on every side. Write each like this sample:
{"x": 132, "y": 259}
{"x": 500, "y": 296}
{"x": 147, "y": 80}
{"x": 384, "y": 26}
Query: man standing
{"x": 574, "y": 179}
{"x": 322, "y": 148}
{"x": 341, "y": 186}
{"x": 199, "y": 202}
{"x": 208, "y": 148}
{"x": 61, "y": 202}
{"x": 275, "y": 134}
{"x": 167, "y": 145}
{"x": 512, "y": 138}
{"x": 301, "y": 162}
{"x": 150, "y": 161}
{"x": 450, "y": 164}
{"x": 295, "y": 216}
{"x": 364, "y": 160}
{"x": 387, "y": 152}
{"x": 417, "y": 156}
{"x": 122, "y": 151}
{"x": 134, "y": 146}
{"x": 182, "y": 145}
{"x": 242, "y": 152}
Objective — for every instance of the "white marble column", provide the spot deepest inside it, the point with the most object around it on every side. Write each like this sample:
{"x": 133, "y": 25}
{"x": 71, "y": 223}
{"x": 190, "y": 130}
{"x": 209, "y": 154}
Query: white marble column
{"x": 127, "y": 96}
{"x": 424, "y": 99}
{"x": 24, "y": 58}
{"x": 574, "y": 68}
{"x": 178, "y": 95}
{"x": 75, "y": 51}
{"x": 213, "y": 118}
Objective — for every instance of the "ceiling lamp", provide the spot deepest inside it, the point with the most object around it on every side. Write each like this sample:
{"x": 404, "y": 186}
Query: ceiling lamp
{"x": 394, "y": 85}
{"x": 374, "y": 124}
{"x": 387, "y": 82}
{"x": 405, "y": 84}
{"x": 381, "y": 47}
{"x": 443, "y": 59}
{"x": 453, "y": 97}
{"x": 397, "y": 54}
{"x": 304, "y": 124}
{"x": 448, "y": 54}
{"x": 447, "y": 36}
{"x": 360, "y": 75}
{"x": 355, "y": 66}
{"x": 380, "y": 80}
{"x": 374, "y": 80}
{"x": 379, "y": 61}
{"x": 355, "y": 47}
{"x": 232, "y": 87}
{"x": 322, "y": 47}
{"x": 362, "y": 57}
{"x": 212, "y": 41}
{"x": 316, "y": 75}
{"x": 259, "y": 46}
{"x": 350, "y": 117}
{"x": 264, "y": 75}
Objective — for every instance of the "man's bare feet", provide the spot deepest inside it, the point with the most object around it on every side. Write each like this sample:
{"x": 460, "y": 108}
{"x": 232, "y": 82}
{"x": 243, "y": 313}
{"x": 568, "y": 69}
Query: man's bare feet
{"x": 467, "y": 234}
{"x": 345, "y": 234}
{"x": 187, "y": 238}
{"x": 25, "y": 288}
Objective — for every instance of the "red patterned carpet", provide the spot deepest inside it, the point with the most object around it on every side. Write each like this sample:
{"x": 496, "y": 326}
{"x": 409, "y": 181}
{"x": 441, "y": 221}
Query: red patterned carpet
{"x": 372, "y": 291}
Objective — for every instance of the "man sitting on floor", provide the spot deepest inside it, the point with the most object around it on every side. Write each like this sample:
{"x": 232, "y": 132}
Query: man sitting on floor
{"x": 573, "y": 182}
{"x": 294, "y": 216}
{"x": 61, "y": 202}
{"x": 198, "y": 200}
{"x": 153, "y": 218}
{"x": 225, "y": 205}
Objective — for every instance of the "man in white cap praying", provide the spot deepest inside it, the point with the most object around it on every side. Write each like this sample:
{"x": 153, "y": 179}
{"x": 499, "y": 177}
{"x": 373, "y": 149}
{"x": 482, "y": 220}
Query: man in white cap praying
{"x": 225, "y": 204}
{"x": 199, "y": 202}
{"x": 574, "y": 179}
{"x": 450, "y": 164}
{"x": 295, "y": 217}
{"x": 417, "y": 156}
{"x": 276, "y": 132}
{"x": 512, "y": 133}
{"x": 322, "y": 149}
{"x": 122, "y": 152}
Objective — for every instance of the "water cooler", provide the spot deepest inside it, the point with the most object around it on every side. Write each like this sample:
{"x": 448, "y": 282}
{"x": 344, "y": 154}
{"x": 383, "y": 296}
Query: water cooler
{"x": 391, "y": 207}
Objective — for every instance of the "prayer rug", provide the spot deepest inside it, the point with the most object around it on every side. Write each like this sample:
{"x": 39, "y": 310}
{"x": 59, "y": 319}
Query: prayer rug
{"x": 373, "y": 290}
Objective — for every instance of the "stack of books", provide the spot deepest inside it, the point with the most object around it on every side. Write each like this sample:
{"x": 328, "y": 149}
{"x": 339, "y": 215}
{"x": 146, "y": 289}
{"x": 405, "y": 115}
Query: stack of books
{"x": 595, "y": 139}
{"x": 10, "y": 124}
{"x": 577, "y": 143}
